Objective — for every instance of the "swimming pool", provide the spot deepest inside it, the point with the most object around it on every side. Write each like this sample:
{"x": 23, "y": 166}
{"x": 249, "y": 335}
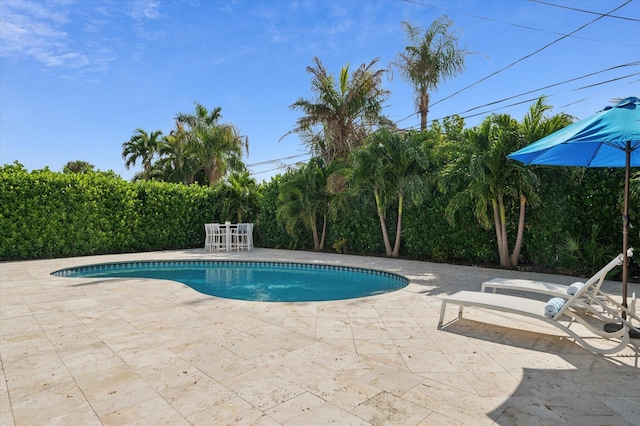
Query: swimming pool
{"x": 257, "y": 281}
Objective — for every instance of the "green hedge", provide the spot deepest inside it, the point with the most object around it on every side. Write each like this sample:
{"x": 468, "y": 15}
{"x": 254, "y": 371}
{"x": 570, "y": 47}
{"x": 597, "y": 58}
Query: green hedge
{"x": 45, "y": 214}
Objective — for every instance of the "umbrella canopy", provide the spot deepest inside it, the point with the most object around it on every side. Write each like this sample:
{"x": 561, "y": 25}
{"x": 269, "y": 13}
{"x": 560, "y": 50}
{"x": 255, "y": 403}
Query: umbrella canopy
{"x": 598, "y": 141}
{"x": 609, "y": 138}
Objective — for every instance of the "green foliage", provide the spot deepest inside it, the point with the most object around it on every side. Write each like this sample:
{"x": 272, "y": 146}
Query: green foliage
{"x": 573, "y": 200}
{"x": 78, "y": 166}
{"x": 340, "y": 246}
{"x": 241, "y": 197}
{"x": 304, "y": 201}
{"x": 428, "y": 235}
{"x": 429, "y": 59}
{"x": 359, "y": 226}
{"x": 48, "y": 214}
{"x": 584, "y": 256}
{"x": 342, "y": 113}
{"x": 271, "y": 232}
{"x": 45, "y": 214}
{"x": 392, "y": 167}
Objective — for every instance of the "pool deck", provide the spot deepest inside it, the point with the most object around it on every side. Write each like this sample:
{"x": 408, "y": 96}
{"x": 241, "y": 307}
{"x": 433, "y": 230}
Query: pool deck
{"x": 83, "y": 351}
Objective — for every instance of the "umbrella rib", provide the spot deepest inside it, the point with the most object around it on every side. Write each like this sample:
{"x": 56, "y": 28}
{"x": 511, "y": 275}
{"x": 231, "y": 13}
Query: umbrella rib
{"x": 595, "y": 153}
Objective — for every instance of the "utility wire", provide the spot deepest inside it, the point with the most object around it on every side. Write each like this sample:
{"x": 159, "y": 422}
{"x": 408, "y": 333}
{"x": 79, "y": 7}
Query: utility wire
{"x": 277, "y": 160}
{"x": 277, "y": 168}
{"x": 535, "y": 90}
{"x": 606, "y": 91}
{"x": 557, "y": 84}
{"x": 584, "y": 11}
{"x": 530, "y": 54}
{"x": 534, "y": 99}
{"x": 484, "y": 18}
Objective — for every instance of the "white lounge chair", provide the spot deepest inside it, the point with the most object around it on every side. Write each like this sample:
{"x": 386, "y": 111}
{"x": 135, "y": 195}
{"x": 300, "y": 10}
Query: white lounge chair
{"x": 570, "y": 311}
{"x": 558, "y": 290}
{"x": 551, "y": 289}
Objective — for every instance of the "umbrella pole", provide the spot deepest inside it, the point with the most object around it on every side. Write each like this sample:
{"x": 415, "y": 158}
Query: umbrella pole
{"x": 625, "y": 226}
{"x": 612, "y": 327}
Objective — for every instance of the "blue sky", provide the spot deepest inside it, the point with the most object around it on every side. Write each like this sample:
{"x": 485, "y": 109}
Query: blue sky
{"x": 77, "y": 77}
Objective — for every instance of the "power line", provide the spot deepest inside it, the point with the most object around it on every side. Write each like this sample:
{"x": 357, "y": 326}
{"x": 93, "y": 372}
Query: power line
{"x": 277, "y": 168}
{"x": 530, "y": 54}
{"x": 484, "y": 18}
{"x": 554, "y": 85}
{"x": 584, "y": 11}
{"x": 277, "y": 160}
{"x": 533, "y": 99}
{"x": 606, "y": 91}
{"x": 536, "y": 90}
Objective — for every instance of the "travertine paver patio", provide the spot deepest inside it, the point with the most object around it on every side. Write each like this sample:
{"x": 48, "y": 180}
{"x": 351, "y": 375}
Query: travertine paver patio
{"x": 150, "y": 352}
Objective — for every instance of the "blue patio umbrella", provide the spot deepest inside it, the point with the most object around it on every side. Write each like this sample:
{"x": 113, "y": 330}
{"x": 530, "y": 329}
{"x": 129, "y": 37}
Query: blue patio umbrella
{"x": 609, "y": 138}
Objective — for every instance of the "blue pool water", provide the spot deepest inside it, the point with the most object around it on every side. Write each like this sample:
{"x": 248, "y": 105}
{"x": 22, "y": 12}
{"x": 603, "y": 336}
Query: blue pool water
{"x": 259, "y": 281}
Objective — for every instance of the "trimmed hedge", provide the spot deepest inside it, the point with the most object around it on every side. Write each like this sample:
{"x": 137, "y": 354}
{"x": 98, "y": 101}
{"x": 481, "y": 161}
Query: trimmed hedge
{"x": 44, "y": 214}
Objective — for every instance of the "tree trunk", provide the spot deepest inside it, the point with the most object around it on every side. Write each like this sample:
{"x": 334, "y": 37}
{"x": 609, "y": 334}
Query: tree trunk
{"x": 424, "y": 110}
{"x": 504, "y": 257}
{"x": 396, "y": 246}
{"x": 212, "y": 176}
{"x": 324, "y": 232}
{"x": 505, "y": 261}
{"x": 516, "y": 249}
{"x": 496, "y": 225}
{"x": 316, "y": 240}
{"x": 383, "y": 225}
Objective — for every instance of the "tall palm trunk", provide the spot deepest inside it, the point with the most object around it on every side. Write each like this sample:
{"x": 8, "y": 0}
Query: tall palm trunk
{"x": 316, "y": 239}
{"x": 516, "y": 250}
{"x": 424, "y": 109}
{"x": 501, "y": 232}
{"x": 383, "y": 225}
{"x": 505, "y": 242}
{"x": 324, "y": 232}
{"x": 396, "y": 245}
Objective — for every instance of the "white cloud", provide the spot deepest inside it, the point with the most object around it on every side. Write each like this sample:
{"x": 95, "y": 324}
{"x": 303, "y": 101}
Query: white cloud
{"x": 50, "y": 33}
{"x": 145, "y": 9}
{"x": 30, "y": 35}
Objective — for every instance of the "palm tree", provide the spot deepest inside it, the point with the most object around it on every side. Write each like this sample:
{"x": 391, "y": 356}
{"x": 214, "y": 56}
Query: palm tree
{"x": 220, "y": 151}
{"x": 216, "y": 147}
{"x": 429, "y": 60}
{"x": 176, "y": 161}
{"x": 142, "y": 146}
{"x": 338, "y": 119}
{"x": 491, "y": 179}
{"x": 201, "y": 117}
{"x": 78, "y": 166}
{"x": 241, "y": 194}
{"x": 304, "y": 199}
{"x": 392, "y": 167}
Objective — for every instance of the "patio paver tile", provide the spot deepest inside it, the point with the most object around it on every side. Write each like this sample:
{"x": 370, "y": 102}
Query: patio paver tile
{"x": 110, "y": 351}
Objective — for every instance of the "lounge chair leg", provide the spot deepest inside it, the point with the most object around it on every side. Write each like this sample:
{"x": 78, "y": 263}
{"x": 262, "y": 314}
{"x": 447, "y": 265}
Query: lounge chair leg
{"x": 460, "y": 311}
{"x": 442, "y": 309}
